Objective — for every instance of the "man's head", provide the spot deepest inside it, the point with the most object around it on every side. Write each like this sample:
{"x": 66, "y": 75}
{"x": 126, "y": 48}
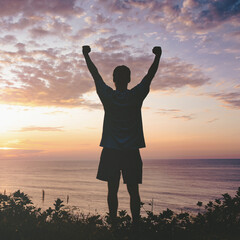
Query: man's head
{"x": 121, "y": 76}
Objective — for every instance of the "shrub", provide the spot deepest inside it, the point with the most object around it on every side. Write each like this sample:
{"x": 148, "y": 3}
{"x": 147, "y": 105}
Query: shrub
{"x": 20, "y": 220}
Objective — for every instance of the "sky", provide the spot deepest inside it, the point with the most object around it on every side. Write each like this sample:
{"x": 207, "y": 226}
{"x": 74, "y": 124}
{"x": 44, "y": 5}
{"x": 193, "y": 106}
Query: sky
{"x": 48, "y": 105}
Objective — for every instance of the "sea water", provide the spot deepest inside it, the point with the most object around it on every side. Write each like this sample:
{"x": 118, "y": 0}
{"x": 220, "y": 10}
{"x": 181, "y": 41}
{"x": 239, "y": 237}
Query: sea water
{"x": 174, "y": 184}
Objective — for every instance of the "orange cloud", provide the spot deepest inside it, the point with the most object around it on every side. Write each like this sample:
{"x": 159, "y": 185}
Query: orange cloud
{"x": 42, "y": 129}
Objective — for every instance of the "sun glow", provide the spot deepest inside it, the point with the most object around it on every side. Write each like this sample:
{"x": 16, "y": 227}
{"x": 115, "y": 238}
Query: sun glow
{"x": 7, "y": 148}
{"x": 9, "y": 118}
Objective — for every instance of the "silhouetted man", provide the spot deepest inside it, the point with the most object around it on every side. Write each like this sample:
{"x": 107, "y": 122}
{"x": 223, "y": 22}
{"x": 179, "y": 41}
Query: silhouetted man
{"x": 122, "y": 134}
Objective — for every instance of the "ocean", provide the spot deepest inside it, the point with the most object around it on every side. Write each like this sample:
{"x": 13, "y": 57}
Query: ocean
{"x": 174, "y": 184}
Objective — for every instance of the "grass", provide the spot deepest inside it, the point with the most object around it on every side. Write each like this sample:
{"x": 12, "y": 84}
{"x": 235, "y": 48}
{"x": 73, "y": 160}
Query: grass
{"x": 21, "y": 220}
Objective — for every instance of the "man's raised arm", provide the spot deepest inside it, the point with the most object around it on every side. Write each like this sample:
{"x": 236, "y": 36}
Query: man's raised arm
{"x": 91, "y": 67}
{"x": 154, "y": 67}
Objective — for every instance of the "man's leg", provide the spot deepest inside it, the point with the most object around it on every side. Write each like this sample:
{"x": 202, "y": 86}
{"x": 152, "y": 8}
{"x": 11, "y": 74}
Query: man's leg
{"x": 112, "y": 198}
{"x": 134, "y": 201}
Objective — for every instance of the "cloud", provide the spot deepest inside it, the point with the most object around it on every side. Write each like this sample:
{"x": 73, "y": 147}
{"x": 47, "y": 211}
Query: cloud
{"x": 118, "y": 6}
{"x": 100, "y": 19}
{"x": 232, "y": 36}
{"x": 89, "y": 31}
{"x": 173, "y": 111}
{"x": 232, "y": 49}
{"x": 168, "y": 111}
{"x": 22, "y": 23}
{"x": 41, "y": 129}
{"x": 37, "y": 32}
{"x": 175, "y": 73}
{"x": 230, "y": 100}
{"x": 55, "y": 112}
{"x": 97, "y": 19}
{"x": 32, "y": 7}
{"x": 55, "y": 28}
{"x": 84, "y": 33}
{"x": 212, "y": 120}
{"x": 31, "y": 142}
{"x": 40, "y": 18}
{"x": 236, "y": 34}
{"x": 112, "y": 43}
{"x": 39, "y": 78}
{"x": 8, "y": 39}
{"x": 57, "y": 77}
{"x": 178, "y": 16}
{"x": 184, "y": 117}
{"x": 150, "y": 34}
{"x": 219, "y": 10}
{"x": 197, "y": 16}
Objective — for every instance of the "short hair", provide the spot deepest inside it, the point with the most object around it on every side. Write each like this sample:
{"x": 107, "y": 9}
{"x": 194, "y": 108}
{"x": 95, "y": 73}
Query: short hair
{"x": 122, "y": 74}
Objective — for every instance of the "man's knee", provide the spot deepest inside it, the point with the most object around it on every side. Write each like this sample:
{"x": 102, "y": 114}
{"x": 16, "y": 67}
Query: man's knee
{"x": 133, "y": 189}
{"x": 113, "y": 187}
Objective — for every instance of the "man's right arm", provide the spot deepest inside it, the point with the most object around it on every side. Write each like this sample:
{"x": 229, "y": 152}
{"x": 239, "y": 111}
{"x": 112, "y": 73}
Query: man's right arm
{"x": 91, "y": 67}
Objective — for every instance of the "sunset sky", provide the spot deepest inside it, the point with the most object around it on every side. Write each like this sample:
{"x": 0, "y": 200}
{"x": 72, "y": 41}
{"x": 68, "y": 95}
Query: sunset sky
{"x": 48, "y": 105}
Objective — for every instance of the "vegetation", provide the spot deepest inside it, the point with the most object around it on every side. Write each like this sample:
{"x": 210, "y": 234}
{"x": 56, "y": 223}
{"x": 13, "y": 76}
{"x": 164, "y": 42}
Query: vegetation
{"x": 20, "y": 220}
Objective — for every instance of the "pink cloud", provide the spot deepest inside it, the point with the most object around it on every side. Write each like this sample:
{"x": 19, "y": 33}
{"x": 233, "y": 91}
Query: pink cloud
{"x": 24, "y": 14}
{"x": 41, "y": 129}
{"x": 112, "y": 43}
{"x": 50, "y": 78}
{"x": 31, "y": 7}
{"x": 83, "y": 33}
{"x": 231, "y": 99}
{"x": 55, "y": 28}
{"x": 8, "y": 39}
{"x": 47, "y": 81}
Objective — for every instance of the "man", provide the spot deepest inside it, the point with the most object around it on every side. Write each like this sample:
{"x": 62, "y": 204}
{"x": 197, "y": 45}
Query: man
{"x": 122, "y": 134}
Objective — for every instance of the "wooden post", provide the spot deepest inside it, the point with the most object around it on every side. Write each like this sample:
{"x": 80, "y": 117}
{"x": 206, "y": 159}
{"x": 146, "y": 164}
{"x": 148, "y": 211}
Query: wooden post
{"x": 43, "y": 195}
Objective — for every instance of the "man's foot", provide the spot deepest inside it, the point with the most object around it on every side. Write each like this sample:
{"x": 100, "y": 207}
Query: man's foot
{"x": 112, "y": 221}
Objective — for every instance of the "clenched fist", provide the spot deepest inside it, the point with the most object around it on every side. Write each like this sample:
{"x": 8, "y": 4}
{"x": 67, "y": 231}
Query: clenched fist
{"x": 86, "y": 49}
{"x": 157, "y": 51}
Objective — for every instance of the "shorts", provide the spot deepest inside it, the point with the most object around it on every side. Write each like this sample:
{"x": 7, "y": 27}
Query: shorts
{"x": 113, "y": 162}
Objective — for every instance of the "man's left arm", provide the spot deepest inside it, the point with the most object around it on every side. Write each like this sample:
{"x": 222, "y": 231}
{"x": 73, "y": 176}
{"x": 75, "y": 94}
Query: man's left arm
{"x": 143, "y": 87}
{"x": 157, "y": 51}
